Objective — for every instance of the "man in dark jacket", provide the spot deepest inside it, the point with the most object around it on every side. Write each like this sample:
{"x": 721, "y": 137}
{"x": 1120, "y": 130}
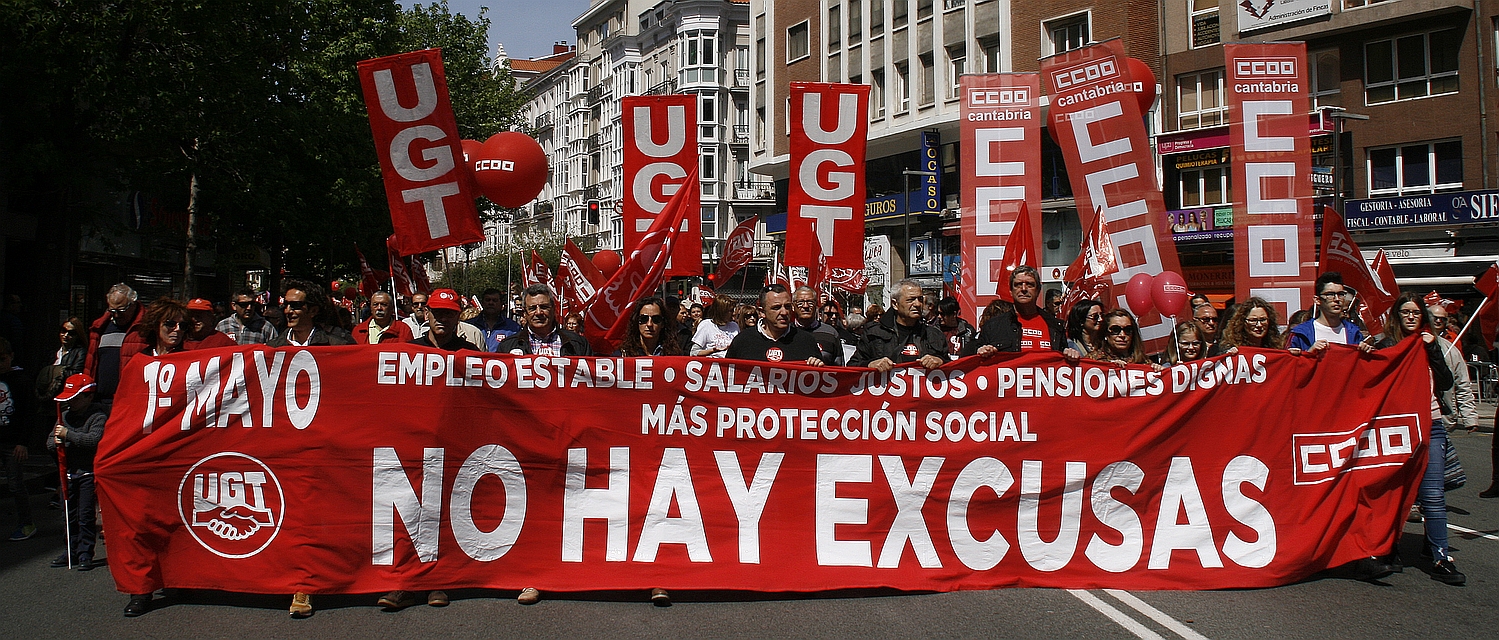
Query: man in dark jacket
{"x": 1027, "y": 328}
{"x": 541, "y": 336}
{"x": 107, "y": 336}
{"x": 309, "y": 318}
{"x": 442, "y": 328}
{"x": 900, "y": 336}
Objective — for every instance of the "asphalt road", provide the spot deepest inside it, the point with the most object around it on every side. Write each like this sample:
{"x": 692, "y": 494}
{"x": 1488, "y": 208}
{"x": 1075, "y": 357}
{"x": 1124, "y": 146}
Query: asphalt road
{"x": 41, "y": 602}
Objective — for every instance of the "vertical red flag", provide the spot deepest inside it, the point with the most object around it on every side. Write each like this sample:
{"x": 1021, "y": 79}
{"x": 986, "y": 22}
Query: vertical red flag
{"x": 577, "y": 278}
{"x": 369, "y": 281}
{"x": 536, "y": 271}
{"x": 1020, "y": 250}
{"x": 1341, "y": 254}
{"x": 1097, "y": 257}
{"x": 738, "y": 250}
{"x": 416, "y": 139}
{"x": 605, "y": 320}
{"x": 419, "y": 276}
{"x": 660, "y": 149}
{"x": 398, "y": 268}
{"x": 1000, "y": 118}
{"x": 829, "y": 129}
{"x": 1488, "y": 314}
{"x": 1272, "y": 158}
{"x": 1097, "y": 123}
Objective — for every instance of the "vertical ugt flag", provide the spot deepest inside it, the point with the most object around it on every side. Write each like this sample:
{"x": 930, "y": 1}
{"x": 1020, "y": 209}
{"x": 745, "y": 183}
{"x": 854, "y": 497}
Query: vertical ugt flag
{"x": 829, "y": 129}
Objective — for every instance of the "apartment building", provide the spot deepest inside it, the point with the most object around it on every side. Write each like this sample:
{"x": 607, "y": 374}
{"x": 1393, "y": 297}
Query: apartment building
{"x": 1409, "y": 83}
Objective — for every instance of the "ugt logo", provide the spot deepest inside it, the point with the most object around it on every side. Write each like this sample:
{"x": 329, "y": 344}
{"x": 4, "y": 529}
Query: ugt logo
{"x": 232, "y": 504}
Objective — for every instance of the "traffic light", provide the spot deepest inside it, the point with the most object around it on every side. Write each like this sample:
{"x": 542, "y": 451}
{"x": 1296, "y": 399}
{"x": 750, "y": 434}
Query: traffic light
{"x": 593, "y": 212}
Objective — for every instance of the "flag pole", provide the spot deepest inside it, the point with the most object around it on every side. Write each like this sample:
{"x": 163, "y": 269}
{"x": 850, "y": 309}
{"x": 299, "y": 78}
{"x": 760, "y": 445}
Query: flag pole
{"x": 1471, "y": 317}
{"x": 62, "y": 470}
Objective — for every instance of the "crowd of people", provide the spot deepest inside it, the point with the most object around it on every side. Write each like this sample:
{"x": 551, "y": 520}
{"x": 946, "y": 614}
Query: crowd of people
{"x": 64, "y": 404}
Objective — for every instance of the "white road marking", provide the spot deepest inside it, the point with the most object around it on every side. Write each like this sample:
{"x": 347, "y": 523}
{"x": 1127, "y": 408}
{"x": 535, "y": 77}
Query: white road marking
{"x": 1470, "y": 531}
{"x": 1155, "y": 614}
{"x": 1116, "y": 615}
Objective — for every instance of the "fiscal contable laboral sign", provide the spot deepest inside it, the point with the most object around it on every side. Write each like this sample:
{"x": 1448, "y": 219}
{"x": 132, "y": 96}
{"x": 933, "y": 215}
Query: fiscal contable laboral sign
{"x": 365, "y": 469}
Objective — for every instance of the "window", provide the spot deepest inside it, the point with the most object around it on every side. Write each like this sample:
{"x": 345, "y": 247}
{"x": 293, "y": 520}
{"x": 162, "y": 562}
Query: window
{"x": 1326, "y": 79}
{"x": 1416, "y": 168}
{"x": 835, "y": 35}
{"x": 797, "y": 43}
{"x": 835, "y": 69}
{"x": 760, "y": 47}
{"x": 902, "y": 87}
{"x": 990, "y": 48}
{"x": 699, "y": 57}
{"x": 877, "y": 93}
{"x": 1065, "y": 34}
{"x": 928, "y": 79}
{"x": 1350, "y": 4}
{"x": 1415, "y": 66}
{"x": 1204, "y": 22}
{"x": 900, "y": 12}
{"x": 710, "y": 223}
{"x": 1199, "y": 100}
{"x": 956, "y": 66}
{"x": 876, "y": 18}
{"x": 1204, "y": 187}
{"x": 855, "y": 17}
{"x": 707, "y": 117}
{"x": 708, "y": 170}
{"x": 923, "y": 9}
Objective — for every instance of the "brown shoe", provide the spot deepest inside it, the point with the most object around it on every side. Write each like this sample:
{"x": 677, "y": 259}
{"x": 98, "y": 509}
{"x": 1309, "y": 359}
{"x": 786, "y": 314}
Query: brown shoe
{"x": 437, "y": 599}
{"x": 529, "y": 595}
{"x": 301, "y": 605}
{"x": 396, "y": 600}
{"x": 660, "y": 598}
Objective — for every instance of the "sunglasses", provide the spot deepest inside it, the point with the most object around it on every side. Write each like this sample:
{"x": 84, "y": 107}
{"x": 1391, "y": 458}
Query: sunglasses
{"x": 648, "y": 318}
{"x": 248, "y": 303}
{"x": 294, "y": 305}
{"x": 1115, "y": 329}
{"x": 119, "y": 310}
{"x": 418, "y": 305}
{"x": 171, "y": 325}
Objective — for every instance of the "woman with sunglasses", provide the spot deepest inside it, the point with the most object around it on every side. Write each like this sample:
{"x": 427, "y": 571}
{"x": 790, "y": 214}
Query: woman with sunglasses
{"x": 1253, "y": 324}
{"x": 1186, "y": 343}
{"x": 653, "y": 331}
{"x": 1121, "y": 341}
{"x": 163, "y": 328}
{"x": 1409, "y": 318}
{"x": 1085, "y": 326}
{"x": 717, "y": 330}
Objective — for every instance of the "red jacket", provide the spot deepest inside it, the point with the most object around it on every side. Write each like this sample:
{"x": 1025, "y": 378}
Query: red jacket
{"x": 398, "y": 332}
{"x": 133, "y": 342}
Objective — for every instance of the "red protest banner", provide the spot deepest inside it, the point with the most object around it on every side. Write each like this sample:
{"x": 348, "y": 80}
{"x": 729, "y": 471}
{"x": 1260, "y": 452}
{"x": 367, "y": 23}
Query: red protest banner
{"x": 829, "y": 129}
{"x": 536, "y": 271}
{"x": 645, "y": 269}
{"x": 660, "y": 149}
{"x": 346, "y": 470}
{"x": 416, "y": 139}
{"x": 1272, "y": 164}
{"x": 1000, "y": 118}
{"x": 578, "y": 279}
{"x": 1096, "y": 121}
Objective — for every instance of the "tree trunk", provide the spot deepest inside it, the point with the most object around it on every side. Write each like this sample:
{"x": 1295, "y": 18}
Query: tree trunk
{"x": 190, "y": 250}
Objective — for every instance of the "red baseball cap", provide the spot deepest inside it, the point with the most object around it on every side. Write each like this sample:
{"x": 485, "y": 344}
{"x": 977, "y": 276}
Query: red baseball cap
{"x": 199, "y": 304}
{"x": 76, "y": 384}
{"x": 444, "y": 299}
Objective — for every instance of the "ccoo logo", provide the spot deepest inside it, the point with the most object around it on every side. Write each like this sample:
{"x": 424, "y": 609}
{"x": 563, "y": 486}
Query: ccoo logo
{"x": 232, "y": 504}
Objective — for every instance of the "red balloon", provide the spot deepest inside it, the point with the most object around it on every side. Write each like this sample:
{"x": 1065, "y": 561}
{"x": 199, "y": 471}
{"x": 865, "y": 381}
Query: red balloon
{"x": 1169, "y": 293}
{"x": 607, "y": 261}
{"x": 510, "y": 169}
{"x": 1141, "y": 73}
{"x": 1137, "y": 293}
{"x": 470, "y": 154}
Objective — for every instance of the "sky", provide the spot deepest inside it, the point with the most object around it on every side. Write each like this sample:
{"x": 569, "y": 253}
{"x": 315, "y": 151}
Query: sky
{"x": 527, "y": 28}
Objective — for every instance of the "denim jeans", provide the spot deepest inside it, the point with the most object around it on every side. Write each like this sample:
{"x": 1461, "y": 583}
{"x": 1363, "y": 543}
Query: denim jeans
{"x": 1432, "y": 495}
{"x": 81, "y": 515}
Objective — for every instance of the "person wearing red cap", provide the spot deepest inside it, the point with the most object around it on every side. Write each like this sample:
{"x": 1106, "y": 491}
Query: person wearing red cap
{"x": 203, "y": 330}
{"x": 381, "y": 325}
{"x": 442, "y": 323}
{"x": 78, "y": 434}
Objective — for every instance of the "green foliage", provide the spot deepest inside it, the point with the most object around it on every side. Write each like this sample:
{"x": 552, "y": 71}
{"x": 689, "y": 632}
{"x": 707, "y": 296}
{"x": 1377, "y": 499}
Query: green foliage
{"x": 260, "y": 99}
{"x": 473, "y": 276}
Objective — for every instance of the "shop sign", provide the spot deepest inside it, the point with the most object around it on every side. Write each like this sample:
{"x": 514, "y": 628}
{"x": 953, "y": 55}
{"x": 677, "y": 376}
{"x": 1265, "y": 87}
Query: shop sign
{"x": 1258, "y": 14}
{"x": 1434, "y": 210}
{"x": 1197, "y": 225}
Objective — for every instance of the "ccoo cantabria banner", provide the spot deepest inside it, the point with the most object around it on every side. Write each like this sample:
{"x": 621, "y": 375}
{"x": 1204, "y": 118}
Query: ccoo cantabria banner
{"x": 366, "y": 469}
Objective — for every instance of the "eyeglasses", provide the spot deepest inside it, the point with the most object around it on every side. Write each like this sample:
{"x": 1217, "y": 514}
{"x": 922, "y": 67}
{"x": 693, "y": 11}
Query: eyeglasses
{"x": 418, "y": 305}
{"x": 1256, "y": 321}
{"x": 1189, "y": 344}
{"x": 120, "y": 310}
{"x": 1410, "y": 313}
{"x": 1208, "y": 319}
{"x": 171, "y": 325}
{"x": 1095, "y": 316}
{"x": 1439, "y": 319}
{"x": 1334, "y": 295}
{"x": 1115, "y": 329}
{"x": 648, "y": 318}
{"x": 294, "y": 305}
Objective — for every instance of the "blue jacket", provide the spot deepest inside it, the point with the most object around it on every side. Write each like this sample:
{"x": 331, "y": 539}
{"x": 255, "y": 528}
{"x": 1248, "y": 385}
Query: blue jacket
{"x": 494, "y": 334}
{"x": 1304, "y": 335}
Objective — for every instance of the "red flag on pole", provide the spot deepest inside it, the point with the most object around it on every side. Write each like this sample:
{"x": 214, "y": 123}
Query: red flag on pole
{"x": 605, "y": 320}
{"x": 1097, "y": 257}
{"x": 369, "y": 280}
{"x": 1020, "y": 249}
{"x": 419, "y": 276}
{"x": 850, "y": 280}
{"x": 398, "y": 268}
{"x": 1488, "y": 310}
{"x": 1341, "y": 254}
{"x": 537, "y": 271}
{"x": 577, "y": 279}
{"x": 738, "y": 249}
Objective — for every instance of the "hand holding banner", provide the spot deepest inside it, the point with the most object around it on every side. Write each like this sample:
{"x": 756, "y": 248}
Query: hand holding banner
{"x": 416, "y": 139}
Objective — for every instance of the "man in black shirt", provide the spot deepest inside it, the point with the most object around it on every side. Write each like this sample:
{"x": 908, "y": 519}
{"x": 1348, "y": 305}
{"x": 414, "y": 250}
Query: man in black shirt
{"x": 899, "y": 335}
{"x": 776, "y": 339}
{"x": 442, "y": 329}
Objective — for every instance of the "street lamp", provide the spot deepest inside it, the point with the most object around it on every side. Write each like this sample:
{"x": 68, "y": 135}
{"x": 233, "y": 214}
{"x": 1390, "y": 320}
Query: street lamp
{"x": 905, "y": 185}
{"x": 1338, "y": 115}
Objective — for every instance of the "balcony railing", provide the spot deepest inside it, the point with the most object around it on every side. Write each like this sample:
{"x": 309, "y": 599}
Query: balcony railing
{"x": 755, "y": 190}
{"x": 741, "y": 134}
{"x": 595, "y": 94}
{"x": 663, "y": 88}
{"x": 741, "y": 78}
{"x": 593, "y": 142}
{"x": 952, "y": 4}
{"x": 544, "y": 121}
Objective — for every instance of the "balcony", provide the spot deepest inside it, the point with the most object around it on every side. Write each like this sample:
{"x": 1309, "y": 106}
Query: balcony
{"x": 595, "y": 94}
{"x": 591, "y": 192}
{"x": 543, "y": 121}
{"x": 741, "y": 134}
{"x": 755, "y": 190}
{"x": 663, "y": 88}
{"x": 741, "y": 78}
{"x": 593, "y": 142}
